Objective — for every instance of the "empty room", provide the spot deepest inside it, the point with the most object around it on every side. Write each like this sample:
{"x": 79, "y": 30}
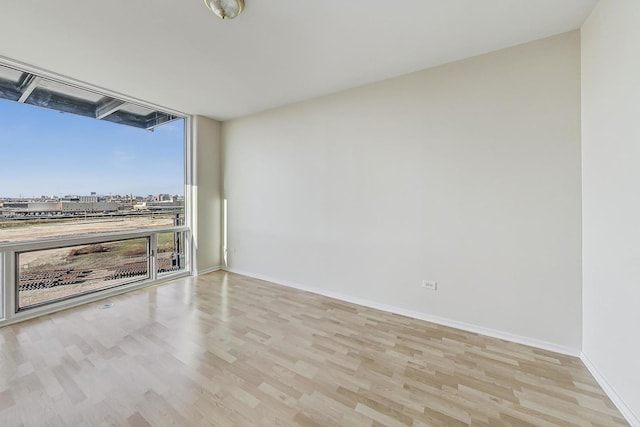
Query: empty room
{"x": 297, "y": 213}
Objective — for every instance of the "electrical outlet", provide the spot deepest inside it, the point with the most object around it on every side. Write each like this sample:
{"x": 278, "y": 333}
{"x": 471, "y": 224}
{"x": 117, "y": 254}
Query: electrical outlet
{"x": 430, "y": 284}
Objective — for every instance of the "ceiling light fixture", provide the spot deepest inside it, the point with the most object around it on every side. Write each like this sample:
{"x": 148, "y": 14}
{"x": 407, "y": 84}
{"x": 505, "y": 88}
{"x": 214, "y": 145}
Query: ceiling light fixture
{"x": 225, "y": 9}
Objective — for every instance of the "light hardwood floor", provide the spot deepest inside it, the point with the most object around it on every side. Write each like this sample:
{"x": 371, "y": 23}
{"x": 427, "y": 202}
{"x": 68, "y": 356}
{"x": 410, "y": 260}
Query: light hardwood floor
{"x": 227, "y": 350}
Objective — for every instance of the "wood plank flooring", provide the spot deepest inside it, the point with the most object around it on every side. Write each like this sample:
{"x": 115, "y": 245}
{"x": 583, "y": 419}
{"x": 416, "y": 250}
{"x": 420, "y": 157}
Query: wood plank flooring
{"x": 226, "y": 350}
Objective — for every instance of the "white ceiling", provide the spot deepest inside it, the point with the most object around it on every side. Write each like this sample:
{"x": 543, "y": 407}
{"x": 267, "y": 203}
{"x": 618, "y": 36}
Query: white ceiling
{"x": 177, "y": 54}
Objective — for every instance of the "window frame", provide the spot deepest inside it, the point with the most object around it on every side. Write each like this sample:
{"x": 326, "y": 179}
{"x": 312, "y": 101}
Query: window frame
{"x": 8, "y": 267}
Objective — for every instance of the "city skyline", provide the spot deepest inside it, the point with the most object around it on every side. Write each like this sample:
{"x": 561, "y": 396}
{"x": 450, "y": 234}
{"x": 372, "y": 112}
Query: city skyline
{"x": 45, "y": 152}
{"x": 100, "y": 196}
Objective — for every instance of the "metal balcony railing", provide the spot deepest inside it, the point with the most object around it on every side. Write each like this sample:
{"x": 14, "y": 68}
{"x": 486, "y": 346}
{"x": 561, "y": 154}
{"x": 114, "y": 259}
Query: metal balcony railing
{"x": 45, "y": 275}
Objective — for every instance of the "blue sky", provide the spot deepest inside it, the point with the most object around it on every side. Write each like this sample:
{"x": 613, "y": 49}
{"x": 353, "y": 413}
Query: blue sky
{"x": 45, "y": 152}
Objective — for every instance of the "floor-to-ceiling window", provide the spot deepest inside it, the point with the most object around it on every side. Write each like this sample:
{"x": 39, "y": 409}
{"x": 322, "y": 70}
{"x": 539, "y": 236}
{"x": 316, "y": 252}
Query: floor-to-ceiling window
{"x": 91, "y": 192}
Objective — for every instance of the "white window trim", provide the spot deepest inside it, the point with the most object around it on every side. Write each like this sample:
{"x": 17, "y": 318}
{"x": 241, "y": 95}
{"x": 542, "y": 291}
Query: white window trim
{"x": 7, "y": 252}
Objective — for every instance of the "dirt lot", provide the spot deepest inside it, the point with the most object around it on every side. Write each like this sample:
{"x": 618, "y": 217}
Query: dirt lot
{"x": 57, "y": 229}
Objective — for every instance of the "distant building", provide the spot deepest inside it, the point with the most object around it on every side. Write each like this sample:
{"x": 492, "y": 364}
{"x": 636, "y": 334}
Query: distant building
{"x": 37, "y": 207}
{"x": 89, "y": 207}
{"x": 70, "y": 207}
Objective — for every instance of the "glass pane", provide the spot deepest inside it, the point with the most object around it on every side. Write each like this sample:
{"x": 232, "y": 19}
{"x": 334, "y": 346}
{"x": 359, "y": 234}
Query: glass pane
{"x": 130, "y": 177}
{"x": 171, "y": 252}
{"x": 51, "y": 275}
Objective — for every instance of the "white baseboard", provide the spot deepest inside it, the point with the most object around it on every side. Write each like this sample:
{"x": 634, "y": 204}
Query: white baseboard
{"x": 208, "y": 270}
{"x": 494, "y": 333}
{"x": 624, "y": 409}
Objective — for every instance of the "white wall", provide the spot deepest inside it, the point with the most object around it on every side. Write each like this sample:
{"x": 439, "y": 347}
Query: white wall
{"x": 206, "y": 192}
{"x": 611, "y": 195}
{"x": 468, "y": 174}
